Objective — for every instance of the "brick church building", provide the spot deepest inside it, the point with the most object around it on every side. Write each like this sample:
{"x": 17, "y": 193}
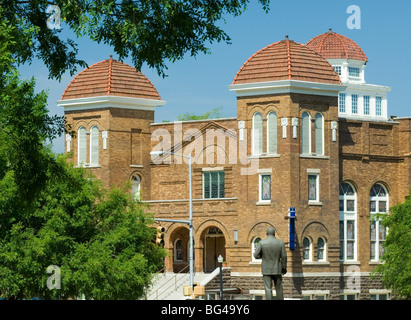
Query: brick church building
{"x": 310, "y": 133}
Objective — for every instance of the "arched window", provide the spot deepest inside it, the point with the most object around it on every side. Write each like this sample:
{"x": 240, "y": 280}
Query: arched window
{"x": 94, "y": 145}
{"x": 254, "y": 243}
{"x": 135, "y": 186}
{"x": 319, "y": 134}
{"x": 378, "y": 205}
{"x": 306, "y": 133}
{"x": 178, "y": 250}
{"x": 321, "y": 249}
{"x": 348, "y": 222}
{"x": 307, "y": 249}
{"x": 82, "y": 146}
{"x": 272, "y": 133}
{"x": 257, "y": 134}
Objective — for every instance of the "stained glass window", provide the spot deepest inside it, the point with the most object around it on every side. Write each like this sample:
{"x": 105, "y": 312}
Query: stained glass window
{"x": 213, "y": 184}
{"x": 312, "y": 187}
{"x": 265, "y": 187}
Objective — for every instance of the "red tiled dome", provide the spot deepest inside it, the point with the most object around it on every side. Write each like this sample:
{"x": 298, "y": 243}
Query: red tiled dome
{"x": 332, "y": 45}
{"x": 110, "y": 77}
{"x": 286, "y": 60}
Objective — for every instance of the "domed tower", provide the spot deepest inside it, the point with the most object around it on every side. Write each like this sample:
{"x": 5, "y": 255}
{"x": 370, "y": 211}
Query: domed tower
{"x": 110, "y": 106}
{"x": 287, "y": 101}
{"x": 360, "y": 100}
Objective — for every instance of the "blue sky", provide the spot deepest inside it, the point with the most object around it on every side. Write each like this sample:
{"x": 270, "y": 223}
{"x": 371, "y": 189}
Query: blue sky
{"x": 199, "y": 84}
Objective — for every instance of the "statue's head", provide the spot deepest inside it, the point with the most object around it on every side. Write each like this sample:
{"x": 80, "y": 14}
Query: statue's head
{"x": 271, "y": 232}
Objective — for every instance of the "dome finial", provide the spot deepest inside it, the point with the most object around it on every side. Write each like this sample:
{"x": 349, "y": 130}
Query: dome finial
{"x": 111, "y": 56}
{"x": 286, "y": 37}
{"x": 330, "y": 30}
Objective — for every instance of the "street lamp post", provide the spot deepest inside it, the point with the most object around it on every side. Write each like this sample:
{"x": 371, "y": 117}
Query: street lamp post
{"x": 220, "y": 262}
{"x": 189, "y": 222}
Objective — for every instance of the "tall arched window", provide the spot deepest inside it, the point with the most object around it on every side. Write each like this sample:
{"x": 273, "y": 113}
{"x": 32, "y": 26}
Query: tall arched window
{"x": 94, "y": 145}
{"x": 306, "y": 133}
{"x": 257, "y": 134}
{"x": 378, "y": 205}
{"x": 307, "y": 249}
{"x": 319, "y": 134}
{"x": 254, "y": 243}
{"x": 178, "y": 250}
{"x": 348, "y": 222}
{"x": 82, "y": 146}
{"x": 272, "y": 133}
{"x": 135, "y": 186}
{"x": 321, "y": 249}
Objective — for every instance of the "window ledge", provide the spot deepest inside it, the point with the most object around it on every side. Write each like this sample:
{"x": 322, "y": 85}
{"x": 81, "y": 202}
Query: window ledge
{"x": 255, "y": 263}
{"x": 313, "y": 156}
{"x": 375, "y": 262}
{"x": 316, "y": 263}
{"x": 264, "y": 155}
{"x": 136, "y": 166}
{"x": 263, "y": 203}
{"x": 350, "y": 262}
{"x": 88, "y": 166}
{"x": 315, "y": 203}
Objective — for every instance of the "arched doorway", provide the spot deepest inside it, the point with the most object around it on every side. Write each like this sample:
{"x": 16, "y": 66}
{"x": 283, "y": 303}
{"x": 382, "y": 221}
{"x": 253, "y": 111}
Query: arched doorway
{"x": 214, "y": 245}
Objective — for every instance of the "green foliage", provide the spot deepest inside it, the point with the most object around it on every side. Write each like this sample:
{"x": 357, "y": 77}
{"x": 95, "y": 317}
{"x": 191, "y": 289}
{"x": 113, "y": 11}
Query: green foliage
{"x": 54, "y": 214}
{"x": 101, "y": 240}
{"x": 215, "y": 113}
{"x": 149, "y": 32}
{"x": 396, "y": 267}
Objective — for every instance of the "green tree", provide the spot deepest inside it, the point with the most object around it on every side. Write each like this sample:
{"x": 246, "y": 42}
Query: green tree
{"x": 215, "y": 113}
{"x": 396, "y": 268}
{"x": 54, "y": 214}
{"x": 101, "y": 240}
{"x": 151, "y": 32}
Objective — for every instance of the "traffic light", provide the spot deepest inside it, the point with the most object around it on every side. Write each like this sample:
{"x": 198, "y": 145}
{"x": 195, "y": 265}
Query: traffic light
{"x": 160, "y": 236}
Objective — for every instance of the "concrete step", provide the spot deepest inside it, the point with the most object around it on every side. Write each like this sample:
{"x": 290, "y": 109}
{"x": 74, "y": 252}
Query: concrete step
{"x": 169, "y": 286}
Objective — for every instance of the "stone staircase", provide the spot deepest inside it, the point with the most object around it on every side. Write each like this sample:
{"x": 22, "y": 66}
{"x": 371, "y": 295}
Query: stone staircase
{"x": 169, "y": 286}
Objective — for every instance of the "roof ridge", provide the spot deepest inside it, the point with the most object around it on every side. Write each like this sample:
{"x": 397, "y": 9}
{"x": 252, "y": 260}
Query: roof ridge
{"x": 110, "y": 63}
{"x": 287, "y": 41}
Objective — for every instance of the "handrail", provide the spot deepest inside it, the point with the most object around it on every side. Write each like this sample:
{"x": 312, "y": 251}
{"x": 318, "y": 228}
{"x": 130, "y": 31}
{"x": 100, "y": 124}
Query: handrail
{"x": 175, "y": 283}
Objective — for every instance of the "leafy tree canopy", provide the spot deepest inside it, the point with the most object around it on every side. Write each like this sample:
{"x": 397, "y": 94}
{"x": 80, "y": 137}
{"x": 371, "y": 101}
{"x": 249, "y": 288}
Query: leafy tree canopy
{"x": 101, "y": 240}
{"x": 54, "y": 214}
{"x": 396, "y": 269}
{"x": 149, "y": 31}
{"x": 215, "y": 113}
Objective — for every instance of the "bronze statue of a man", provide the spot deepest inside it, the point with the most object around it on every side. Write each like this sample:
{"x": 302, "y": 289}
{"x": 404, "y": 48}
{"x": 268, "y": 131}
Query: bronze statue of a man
{"x": 274, "y": 263}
